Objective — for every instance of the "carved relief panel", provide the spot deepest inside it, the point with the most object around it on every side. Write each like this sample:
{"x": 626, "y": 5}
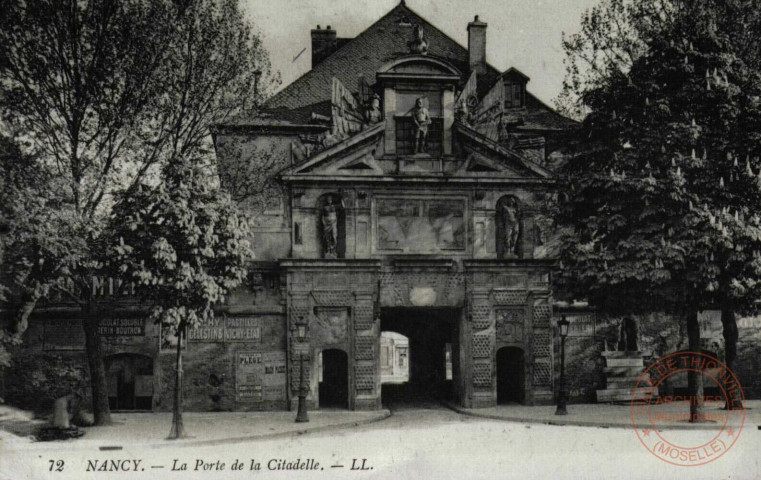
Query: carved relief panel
{"x": 418, "y": 225}
{"x": 510, "y": 325}
{"x": 331, "y": 325}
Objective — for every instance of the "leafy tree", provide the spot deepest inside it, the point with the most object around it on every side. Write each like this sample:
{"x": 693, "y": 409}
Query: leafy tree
{"x": 104, "y": 94}
{"x": 185, "y": 247}
{"x": 665, "y": 181}
{"x": 75, "y": 80}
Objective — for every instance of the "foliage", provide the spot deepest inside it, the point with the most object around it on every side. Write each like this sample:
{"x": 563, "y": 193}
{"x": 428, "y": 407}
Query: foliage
{"x": 36, "y": 225}
{"x": 182, "y": 243}
{"x": 101, "y": 95}
{"x": 35, "y": 381}
{"x": 248, "y": 171}
{"x": 664, "y": 181}
{"x": 185, "y": 248}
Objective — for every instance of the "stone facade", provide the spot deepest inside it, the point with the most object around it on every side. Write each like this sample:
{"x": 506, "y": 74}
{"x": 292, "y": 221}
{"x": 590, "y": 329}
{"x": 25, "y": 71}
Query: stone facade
{"x": 394, "y": 187}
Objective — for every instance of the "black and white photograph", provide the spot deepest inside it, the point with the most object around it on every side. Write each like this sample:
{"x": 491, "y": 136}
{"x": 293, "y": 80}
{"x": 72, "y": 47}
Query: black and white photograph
{"x": 380, "y": 239}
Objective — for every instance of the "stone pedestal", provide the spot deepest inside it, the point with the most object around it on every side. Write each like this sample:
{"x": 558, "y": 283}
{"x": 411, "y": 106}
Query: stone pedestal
{"x": 622, "y": 372}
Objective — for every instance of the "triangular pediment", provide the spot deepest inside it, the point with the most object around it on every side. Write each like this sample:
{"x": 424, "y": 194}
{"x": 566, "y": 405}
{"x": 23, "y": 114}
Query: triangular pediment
{"x": 353, "y": 156}
{"x": 357, "y": 165}
{"x": 480, "y": 165}
{"x": 488, "y": 158}
{"x": 364, "y": 163}
{"x": 361, "y": 155}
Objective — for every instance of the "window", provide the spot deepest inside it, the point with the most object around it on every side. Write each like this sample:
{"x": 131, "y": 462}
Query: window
{"x": 406, "y": 132}
{"x": 513, "y": 95}
{"x": 297, "y": 233}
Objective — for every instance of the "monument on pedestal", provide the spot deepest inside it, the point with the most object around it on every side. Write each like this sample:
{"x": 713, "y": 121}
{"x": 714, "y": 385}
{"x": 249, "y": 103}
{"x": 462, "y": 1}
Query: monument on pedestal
{"x": 624, "y": 367}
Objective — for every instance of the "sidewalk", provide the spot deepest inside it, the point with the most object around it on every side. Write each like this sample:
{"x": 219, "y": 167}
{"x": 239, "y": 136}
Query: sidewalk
{"x": 606, "y": 415}
{"x": 204, "y": 428}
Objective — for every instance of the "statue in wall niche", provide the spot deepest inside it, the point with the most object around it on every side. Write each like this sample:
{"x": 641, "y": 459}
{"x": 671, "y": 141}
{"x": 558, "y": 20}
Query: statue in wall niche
{"x": 627, "y": 338}
{"x": 330, "y": 228}
{"x": 422, "y": 119}
{"x": 418, "y": 44}
{"x": 511, "y": 218}
{"x": 374, "y": 114}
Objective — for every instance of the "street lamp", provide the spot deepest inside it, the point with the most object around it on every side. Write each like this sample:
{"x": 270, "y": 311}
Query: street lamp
{"x": 301, "y": 416}
{"x": 562, "y": 391}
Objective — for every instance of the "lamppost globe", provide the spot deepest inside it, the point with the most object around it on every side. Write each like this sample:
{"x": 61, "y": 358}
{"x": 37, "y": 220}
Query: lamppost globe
{"x": 563, "y": 326}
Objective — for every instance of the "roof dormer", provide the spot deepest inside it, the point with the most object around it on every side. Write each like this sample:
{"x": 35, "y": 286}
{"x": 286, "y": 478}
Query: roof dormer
{"x": 514, "y": 82}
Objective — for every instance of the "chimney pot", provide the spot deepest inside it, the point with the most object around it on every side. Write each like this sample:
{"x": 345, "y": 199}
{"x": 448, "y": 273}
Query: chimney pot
{"x": 324, "y": 43}
{"x": 477, "y": 46}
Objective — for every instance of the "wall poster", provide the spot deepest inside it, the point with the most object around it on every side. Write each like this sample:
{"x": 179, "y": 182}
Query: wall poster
{"x": 260, "y": 376}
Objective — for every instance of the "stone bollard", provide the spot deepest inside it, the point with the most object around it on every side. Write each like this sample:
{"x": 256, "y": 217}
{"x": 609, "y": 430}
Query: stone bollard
{"x": 61, "y": 413}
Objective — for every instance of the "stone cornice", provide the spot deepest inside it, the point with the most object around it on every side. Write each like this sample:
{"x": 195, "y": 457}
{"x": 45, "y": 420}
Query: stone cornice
{"x": 322, "y": 264}
{"x": 433, "y": 178}
{"x": 500, "y": 265}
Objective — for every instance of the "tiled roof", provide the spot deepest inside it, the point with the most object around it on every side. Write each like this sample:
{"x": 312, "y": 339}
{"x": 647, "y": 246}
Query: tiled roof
{"x": 385, "y": 40}
{"x": 539, "y": 116}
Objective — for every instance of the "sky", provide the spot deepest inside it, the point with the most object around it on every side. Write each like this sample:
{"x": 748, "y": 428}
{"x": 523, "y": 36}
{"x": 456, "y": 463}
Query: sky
{"x": 525, "y": 34}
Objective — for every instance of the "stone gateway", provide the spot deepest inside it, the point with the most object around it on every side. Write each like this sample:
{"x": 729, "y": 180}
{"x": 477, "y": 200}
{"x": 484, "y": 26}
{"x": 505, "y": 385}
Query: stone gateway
{"x": 410, "y": 176}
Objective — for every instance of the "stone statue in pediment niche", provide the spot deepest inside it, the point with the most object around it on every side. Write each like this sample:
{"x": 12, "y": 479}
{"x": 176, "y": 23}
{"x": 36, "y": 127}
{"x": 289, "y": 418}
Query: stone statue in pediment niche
{"x": 332, "y": 222}
{"x": 418, "y": 44}
{"x": 329, "y": 228}
{"x": 509, "y": 227}
{"x": 512, "y": 226}
{"x": 422, "y": 119}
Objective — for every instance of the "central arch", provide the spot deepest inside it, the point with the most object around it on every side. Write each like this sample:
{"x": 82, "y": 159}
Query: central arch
{"x": 431, "y": 353}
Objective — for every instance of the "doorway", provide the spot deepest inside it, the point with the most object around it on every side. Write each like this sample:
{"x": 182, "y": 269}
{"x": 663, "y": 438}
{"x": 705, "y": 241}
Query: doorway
{"x": 130, "y": 381}
{"x": 334, "y": 379}
{"x": 510, "y": 375}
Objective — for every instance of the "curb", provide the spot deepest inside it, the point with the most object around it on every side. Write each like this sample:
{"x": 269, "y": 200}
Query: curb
{"x": 269, "y": 436}
{"x": 574, "y": 423}
{"x": 383, "y": 415}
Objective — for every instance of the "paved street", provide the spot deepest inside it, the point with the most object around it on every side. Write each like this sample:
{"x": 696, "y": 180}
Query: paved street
{"x": 420, "y": 440}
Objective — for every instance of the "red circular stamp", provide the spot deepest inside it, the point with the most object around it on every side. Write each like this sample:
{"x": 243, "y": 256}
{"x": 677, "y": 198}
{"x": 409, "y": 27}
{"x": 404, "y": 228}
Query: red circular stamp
{"x": 660, "y": 403}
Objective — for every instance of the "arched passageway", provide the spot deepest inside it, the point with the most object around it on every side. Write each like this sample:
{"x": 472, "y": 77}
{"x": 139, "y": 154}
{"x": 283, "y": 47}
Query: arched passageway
{"x": 432, "y": 354}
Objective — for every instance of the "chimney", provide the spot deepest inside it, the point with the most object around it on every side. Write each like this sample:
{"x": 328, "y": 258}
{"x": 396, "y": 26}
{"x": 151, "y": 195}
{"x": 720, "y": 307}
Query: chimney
{"x": 477, "y": 46}
{"x": 323, "y": 44}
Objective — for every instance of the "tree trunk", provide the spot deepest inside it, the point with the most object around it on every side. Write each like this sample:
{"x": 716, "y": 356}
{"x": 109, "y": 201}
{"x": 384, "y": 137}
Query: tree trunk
{"x": 731, "y": 335}
{"x": 694, "y": 378}
{"x": 21, "y": 320}
{"x": 178, "y": 427}
{"x": 99, "y": 387}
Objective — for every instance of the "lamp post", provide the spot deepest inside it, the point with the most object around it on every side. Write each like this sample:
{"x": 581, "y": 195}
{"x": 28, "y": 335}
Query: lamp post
{"x": 301, "y": 415}
{"x": 562, "y": 391}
